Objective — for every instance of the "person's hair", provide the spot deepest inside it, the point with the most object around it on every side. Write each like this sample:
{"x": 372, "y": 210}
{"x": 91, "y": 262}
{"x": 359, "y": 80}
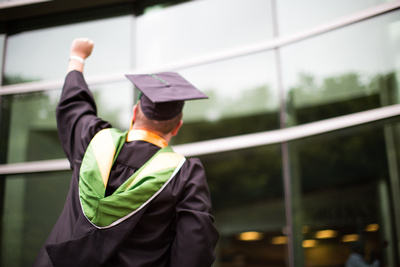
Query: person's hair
{"x": 163, "y": 127}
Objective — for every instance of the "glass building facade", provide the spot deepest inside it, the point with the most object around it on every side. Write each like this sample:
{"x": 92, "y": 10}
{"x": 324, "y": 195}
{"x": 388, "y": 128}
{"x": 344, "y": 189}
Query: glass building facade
{"x": 299, "y": 139}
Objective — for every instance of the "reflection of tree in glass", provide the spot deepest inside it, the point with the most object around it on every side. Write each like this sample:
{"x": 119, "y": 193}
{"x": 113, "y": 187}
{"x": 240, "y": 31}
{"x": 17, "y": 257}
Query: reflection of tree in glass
{"x": 32, "y": 116}
{"x": 46, "y": 107}
{"x": 243, "y": 177}
{"x": 326, "y": 161}
{"x": 311, "y": 100}
{"x": 14, "y": 79}
{"x": 249, "y": 112}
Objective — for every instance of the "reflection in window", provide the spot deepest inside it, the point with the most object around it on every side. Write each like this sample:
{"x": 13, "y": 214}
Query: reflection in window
{"x": 341, "y": 196}
{"x": 173, "y": 34}
{"x": 33, "y": 131}
{"x": 296, "y": 15}
{"x": 46, "y": 56}
{"x": 344, "y": 71}
{"x": 32, "y": 204}
{"x": 247, "y": 195}
{"x": 115, "y": 102}
{"x": 242, "y": 94}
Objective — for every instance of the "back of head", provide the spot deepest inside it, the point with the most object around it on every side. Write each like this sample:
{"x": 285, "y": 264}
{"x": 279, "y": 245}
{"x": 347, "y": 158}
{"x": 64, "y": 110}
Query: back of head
{"x": 159, "y": 126}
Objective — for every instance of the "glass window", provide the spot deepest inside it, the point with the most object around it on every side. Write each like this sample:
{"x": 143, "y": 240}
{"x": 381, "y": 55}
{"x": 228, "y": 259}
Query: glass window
{"x": 344, "y": 71}
{"x": 33, "y": 131}
{"x": 115, "y": 102}
{"x": 46, "y": 56}
{"x": 242, "y": 94}
{"x": 32, "y": 126}
{"x": 296, "y": 15}
{"x": 32, "y": 204}
{"x": 248, "y": 204}
{"x": 200, "y": 27}
{"x": 344, "y": 195}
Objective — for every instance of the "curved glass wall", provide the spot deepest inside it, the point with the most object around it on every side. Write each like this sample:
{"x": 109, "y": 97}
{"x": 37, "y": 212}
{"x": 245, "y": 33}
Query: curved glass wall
{"x": 248, "y": 204}
{"x": 344, "y": 195}
{"x": 196, "y": 28}
{"x": 32, "y": 204}
{"x": 46, "y": 56}
{"x": 299, "y": 15}
{"x": 345, "y": 71}
{"x": 243, "y": 98}
{"x": 344, "y": 184}
{"x": 32, "y": 126}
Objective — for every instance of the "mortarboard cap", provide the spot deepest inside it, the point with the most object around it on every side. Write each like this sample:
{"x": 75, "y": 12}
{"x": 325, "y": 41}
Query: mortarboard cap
{"x": 163, "y": 94}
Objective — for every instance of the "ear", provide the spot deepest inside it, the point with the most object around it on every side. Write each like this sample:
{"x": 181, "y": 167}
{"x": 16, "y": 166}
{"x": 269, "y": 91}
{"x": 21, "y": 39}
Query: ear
{"x": 177, "y": 127}
{"x": 134, "y": 109}
{"x": 134, "y": 112}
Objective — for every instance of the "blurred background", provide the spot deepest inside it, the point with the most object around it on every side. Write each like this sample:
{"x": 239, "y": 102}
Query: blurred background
{"x": 299, "y": 139}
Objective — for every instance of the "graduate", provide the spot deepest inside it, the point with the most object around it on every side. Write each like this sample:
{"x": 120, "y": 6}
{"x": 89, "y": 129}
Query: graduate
{"x": 132, "y": 201}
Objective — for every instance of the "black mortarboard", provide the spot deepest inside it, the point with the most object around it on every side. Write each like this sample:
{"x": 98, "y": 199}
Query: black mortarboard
{"x": 163, "y": 94}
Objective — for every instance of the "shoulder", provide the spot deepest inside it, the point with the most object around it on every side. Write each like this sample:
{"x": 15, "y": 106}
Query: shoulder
{"x": 193, "y": 165}
{"x": 192, "y": 172}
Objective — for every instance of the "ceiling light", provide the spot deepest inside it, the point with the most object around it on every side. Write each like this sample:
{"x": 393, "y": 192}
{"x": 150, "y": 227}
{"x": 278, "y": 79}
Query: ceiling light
{"x": 372, "y": 227}
{"x": 326, "y": 234}
{"x": 250, "y": 236}
{"x": 350, "y": 238}
{"x": 279, "y": 240}
{"x": 309, "y": 243}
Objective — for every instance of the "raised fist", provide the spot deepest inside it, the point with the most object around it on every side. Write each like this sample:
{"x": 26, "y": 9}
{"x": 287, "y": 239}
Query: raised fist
{"x": 81, "y": 47}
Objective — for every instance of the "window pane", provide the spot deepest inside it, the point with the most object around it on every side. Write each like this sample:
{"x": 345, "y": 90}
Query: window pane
{"x": 297, "y": 15}
{"x": 343, "y": 195}
{"x": 242, "y": 94}
{"x": 199, "y": 27}
{"x": 115, "y": 102}
{"x": 32, "y": 204}
{"x": 33, "y": 131}
{"x": 345, "y": 71}
{"x": 46, "y": 56}
{"x": 247, "y": 195}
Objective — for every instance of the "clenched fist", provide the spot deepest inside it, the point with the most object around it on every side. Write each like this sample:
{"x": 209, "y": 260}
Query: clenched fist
{"x": 81, "y": 47}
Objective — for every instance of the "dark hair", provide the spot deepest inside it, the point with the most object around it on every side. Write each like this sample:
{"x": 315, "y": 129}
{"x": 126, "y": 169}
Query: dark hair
{"x": 163, "y": 127}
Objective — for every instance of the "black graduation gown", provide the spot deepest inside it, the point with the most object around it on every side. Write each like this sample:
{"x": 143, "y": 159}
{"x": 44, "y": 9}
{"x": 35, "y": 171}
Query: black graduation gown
{"x": 175, "y": 229}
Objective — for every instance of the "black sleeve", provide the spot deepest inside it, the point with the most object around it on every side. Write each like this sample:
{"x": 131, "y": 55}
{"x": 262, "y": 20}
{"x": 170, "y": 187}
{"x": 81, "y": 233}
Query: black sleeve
{"x": 196, "y": 234}
{"x": 76, "y": 114}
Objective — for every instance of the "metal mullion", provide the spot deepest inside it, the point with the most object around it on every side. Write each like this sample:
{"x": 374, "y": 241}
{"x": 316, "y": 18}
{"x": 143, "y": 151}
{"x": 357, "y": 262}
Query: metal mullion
{"x": 286, "y": 176}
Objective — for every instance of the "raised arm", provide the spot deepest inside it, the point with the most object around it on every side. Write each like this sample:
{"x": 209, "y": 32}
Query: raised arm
{"x": 76, "y": 113}
{"x": 81, "y": 49}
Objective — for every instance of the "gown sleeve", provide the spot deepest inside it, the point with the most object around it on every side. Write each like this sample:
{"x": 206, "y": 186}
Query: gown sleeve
{"x": 76, "y": 114}
{"x": 196, "y": 235}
